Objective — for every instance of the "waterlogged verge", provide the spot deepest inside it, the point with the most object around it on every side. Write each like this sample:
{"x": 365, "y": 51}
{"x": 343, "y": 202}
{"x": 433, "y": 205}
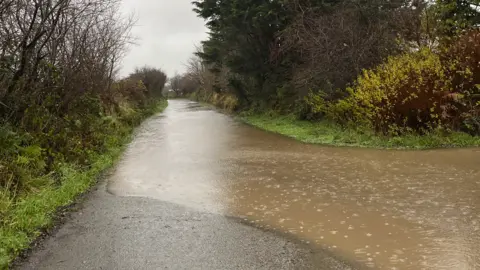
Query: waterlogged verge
{"x": 326, "y": 133}
{"x": 24, "y": 219}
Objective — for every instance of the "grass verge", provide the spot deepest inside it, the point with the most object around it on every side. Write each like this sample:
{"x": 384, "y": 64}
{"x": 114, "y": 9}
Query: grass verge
{"x": 326, "y": 133}
{"x": 34, "y": 212}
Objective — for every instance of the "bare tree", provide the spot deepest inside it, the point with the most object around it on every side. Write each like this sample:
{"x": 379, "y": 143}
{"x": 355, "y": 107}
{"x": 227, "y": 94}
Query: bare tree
{"x": 330, "y": 46}
{"x": 176, "y": 84}
{"x": 64, "y": 48}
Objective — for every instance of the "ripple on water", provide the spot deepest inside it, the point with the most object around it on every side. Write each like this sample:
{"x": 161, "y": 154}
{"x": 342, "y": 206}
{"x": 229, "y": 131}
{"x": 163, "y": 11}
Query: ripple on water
{"x": 386, "y": 209}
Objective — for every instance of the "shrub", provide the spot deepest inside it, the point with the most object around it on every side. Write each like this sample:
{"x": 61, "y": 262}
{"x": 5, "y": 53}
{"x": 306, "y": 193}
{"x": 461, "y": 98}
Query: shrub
{"x": 413, "y": 92}
{"x": 410, "y": 92}
{"x": 153, "y": 79}
{"x": 131, "y": 90}
{"x": 314, "y": 107}
{"x": 227, "y": 102}
{"x": 463, "y": 61}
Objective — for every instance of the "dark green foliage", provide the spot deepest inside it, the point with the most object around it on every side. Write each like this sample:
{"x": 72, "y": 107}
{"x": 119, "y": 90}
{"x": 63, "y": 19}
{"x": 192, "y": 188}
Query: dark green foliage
{"x": 457, "y": 15}
{"x": 274, "y": 52}
{"x": 242, "y": 34}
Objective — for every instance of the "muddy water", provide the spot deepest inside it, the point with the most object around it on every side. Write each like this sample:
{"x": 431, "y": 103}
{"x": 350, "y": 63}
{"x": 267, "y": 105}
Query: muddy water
{"x": 384, "y": 209}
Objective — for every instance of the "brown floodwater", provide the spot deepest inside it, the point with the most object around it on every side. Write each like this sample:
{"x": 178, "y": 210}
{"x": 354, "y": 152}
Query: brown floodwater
{"x": 383, "y": 209}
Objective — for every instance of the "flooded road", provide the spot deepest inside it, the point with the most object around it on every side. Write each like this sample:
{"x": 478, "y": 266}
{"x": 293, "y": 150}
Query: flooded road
{"x": 384, "y": 209}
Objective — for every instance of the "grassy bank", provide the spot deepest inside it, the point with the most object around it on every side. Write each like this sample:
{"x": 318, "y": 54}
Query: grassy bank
{"x": 326, "y": 133}
{"x": 26, "y": 215}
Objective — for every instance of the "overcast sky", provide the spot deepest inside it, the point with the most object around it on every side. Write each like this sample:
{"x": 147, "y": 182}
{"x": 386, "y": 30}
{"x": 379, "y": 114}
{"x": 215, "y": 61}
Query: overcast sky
{"x": 167, "y": 32}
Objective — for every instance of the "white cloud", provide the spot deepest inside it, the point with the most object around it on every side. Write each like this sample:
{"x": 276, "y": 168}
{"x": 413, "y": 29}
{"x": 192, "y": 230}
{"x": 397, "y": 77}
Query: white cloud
{"x": 167, "y": 32}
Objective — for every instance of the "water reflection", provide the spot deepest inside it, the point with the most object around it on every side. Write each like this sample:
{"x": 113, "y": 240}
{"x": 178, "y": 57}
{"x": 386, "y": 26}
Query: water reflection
{"x": 386, "y": 209}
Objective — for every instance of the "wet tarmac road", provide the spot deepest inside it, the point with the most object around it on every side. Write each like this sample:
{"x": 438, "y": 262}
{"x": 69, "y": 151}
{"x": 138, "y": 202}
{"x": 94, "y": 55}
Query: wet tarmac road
{"x": 191, "y": 165}
{"x": 123, "y": 232}
{"x": 112, "y": 232}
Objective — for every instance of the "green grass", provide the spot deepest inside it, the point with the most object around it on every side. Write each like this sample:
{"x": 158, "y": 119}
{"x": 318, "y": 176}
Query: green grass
{"x": 29, "y": 215}
{"x": 326, "y": 133}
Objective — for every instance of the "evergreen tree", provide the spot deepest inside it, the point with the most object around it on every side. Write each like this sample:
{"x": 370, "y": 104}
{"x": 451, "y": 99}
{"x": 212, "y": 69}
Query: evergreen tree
{"x": 457, "y": 15}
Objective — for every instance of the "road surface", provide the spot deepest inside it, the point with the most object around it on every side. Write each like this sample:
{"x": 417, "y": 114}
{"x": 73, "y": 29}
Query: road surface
{"x": 198, "y": 190}
{"x": 141, "y": 232}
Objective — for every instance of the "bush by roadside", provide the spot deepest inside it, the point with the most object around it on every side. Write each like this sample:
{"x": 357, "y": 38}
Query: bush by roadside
{"x": 225, "y": 102}
{"x": 414, "y": 93}
{"x": 33, "y": 188}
